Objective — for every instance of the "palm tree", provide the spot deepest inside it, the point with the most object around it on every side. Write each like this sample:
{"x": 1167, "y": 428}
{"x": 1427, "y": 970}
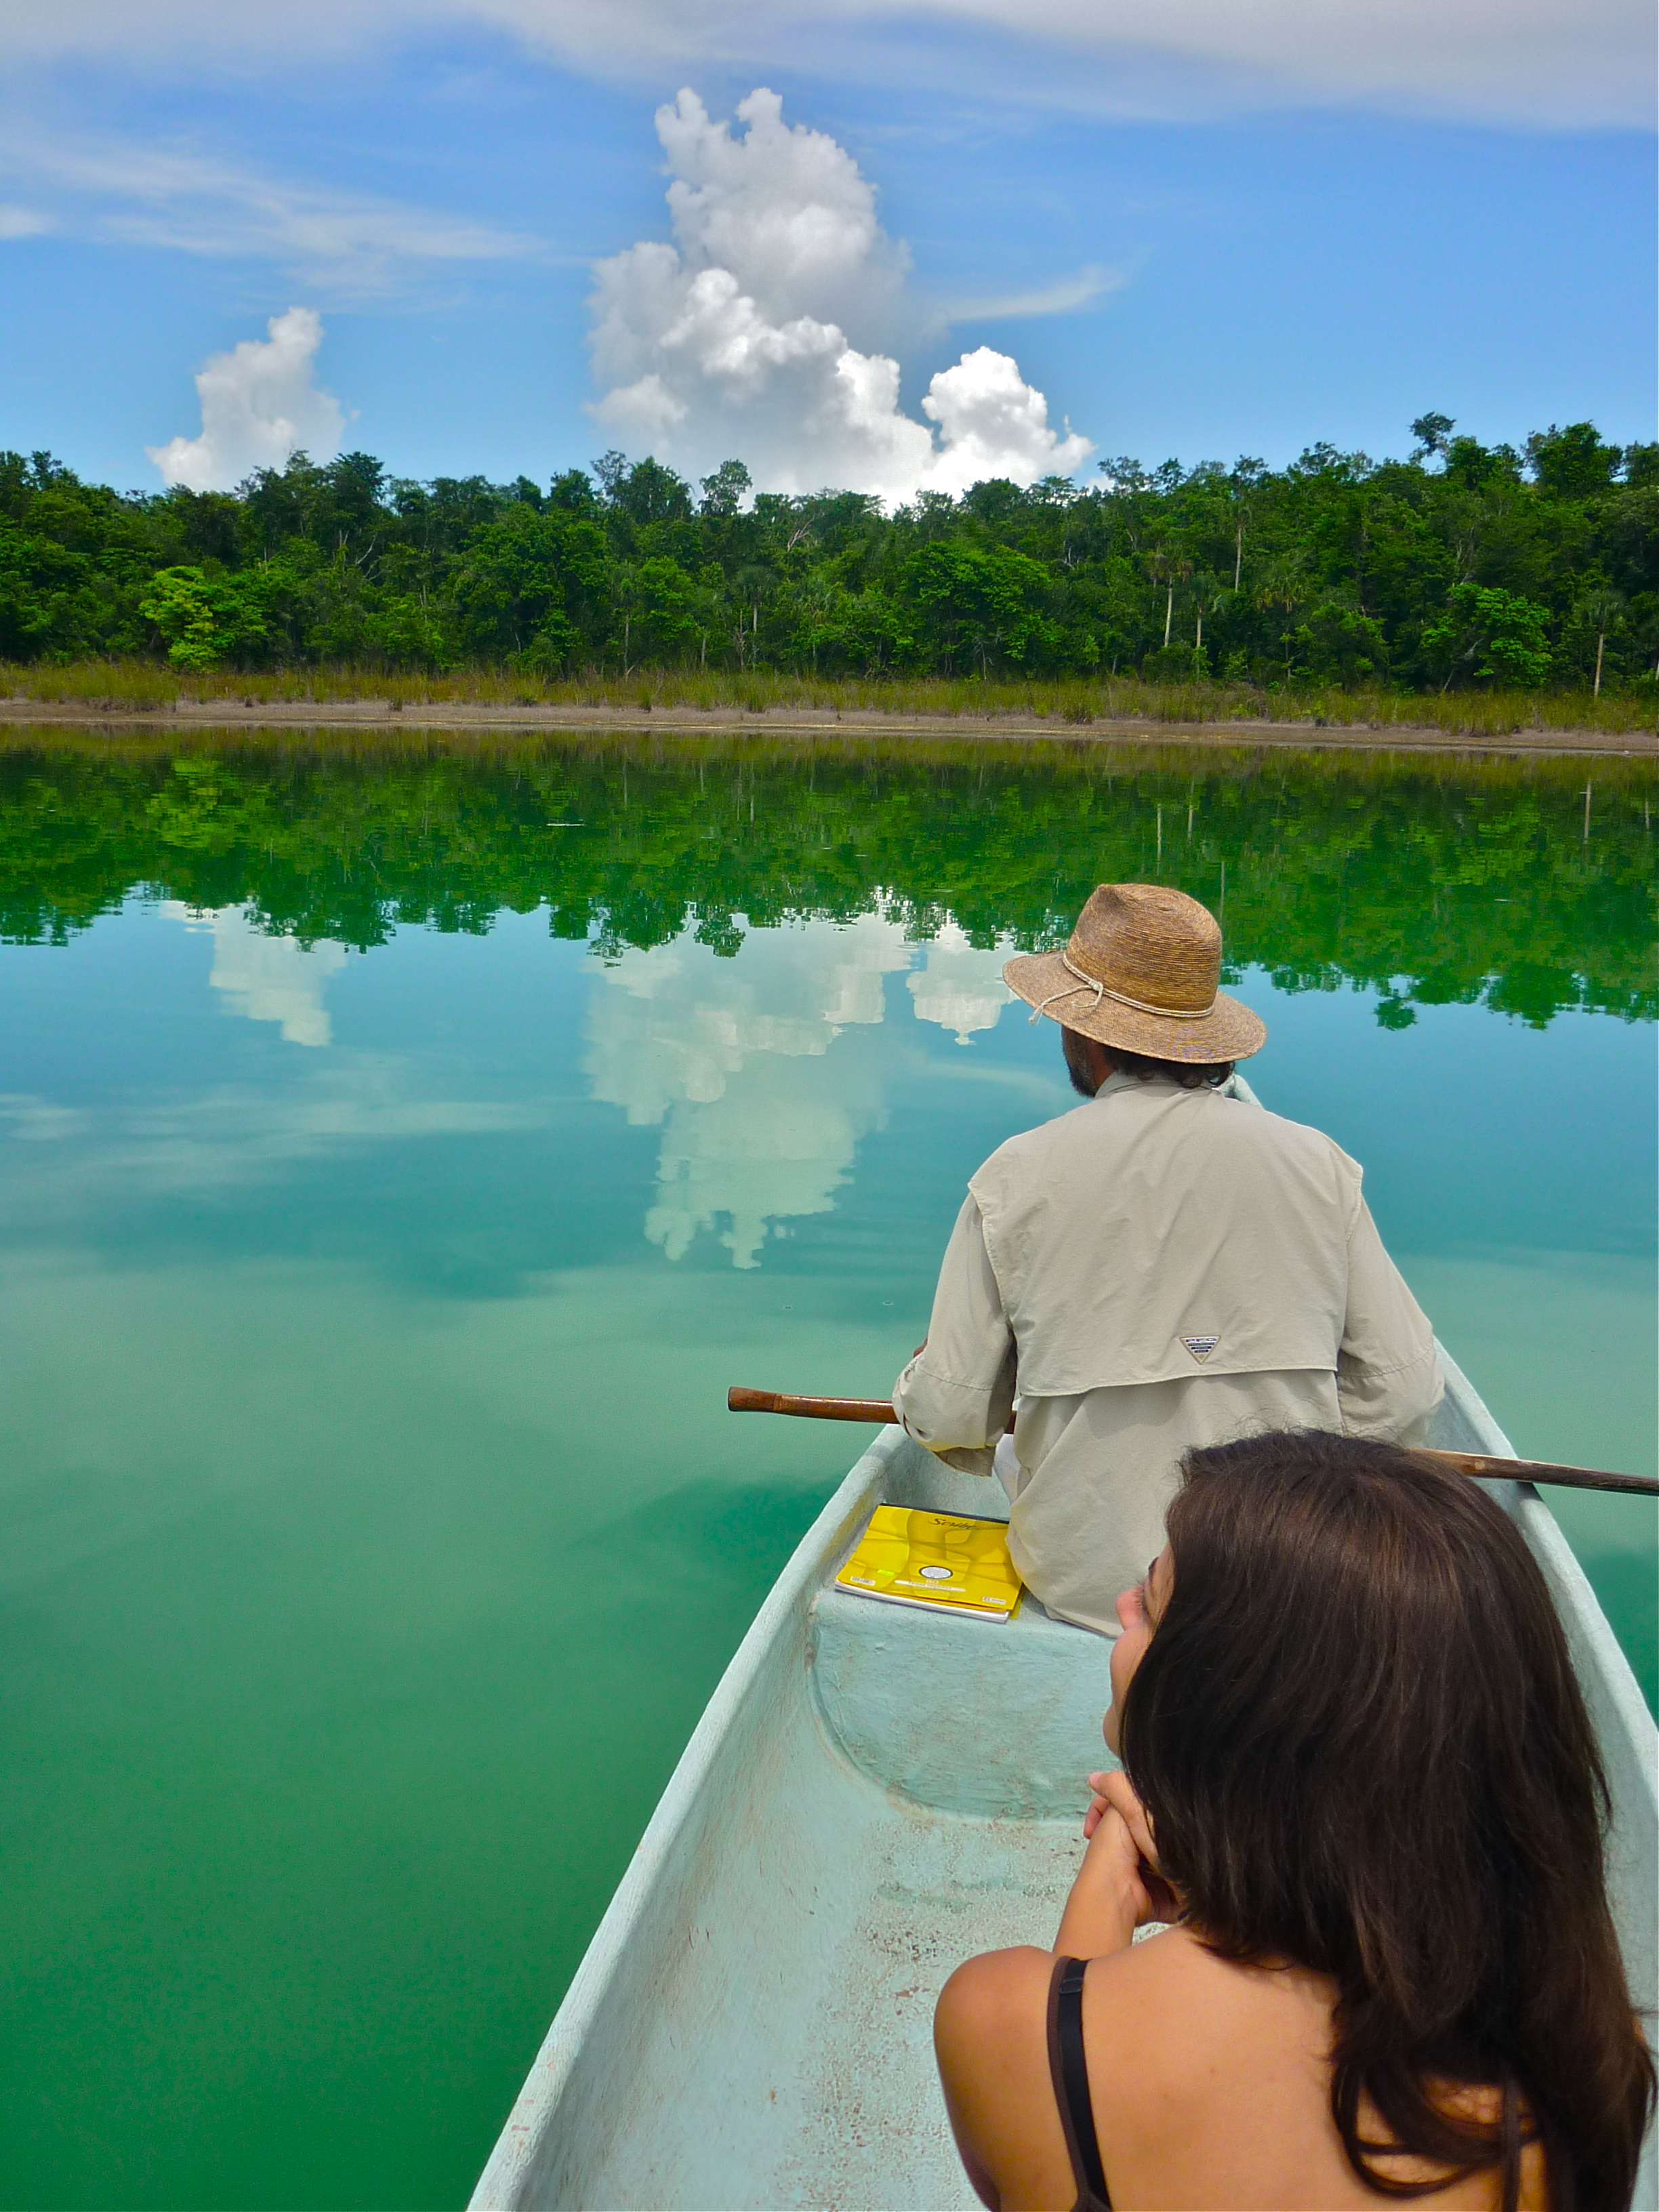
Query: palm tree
{"x": 1167, "y": 567}
{"x": 629, "y": 599}
{"x": 1601, "y": 609}
{"x": 1283, "y": 583}
{"x": 750, "y": 583}
{"x": 1208, "y": 590}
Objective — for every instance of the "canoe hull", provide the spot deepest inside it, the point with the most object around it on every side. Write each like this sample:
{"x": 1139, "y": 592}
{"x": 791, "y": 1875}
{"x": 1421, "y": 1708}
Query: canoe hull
{"x": 871, "y": 1796}
{"x": 751, "y": 2023}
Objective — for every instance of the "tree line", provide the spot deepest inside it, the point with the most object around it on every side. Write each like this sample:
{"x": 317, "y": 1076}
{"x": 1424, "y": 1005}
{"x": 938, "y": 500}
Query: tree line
{"x": 1503, "y": 882}
{"x": 1463, "y": 566}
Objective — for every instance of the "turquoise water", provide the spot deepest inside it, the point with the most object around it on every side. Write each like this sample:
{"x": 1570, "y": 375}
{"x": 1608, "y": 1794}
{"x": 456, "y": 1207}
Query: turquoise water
{"x": 376, "y": 1256}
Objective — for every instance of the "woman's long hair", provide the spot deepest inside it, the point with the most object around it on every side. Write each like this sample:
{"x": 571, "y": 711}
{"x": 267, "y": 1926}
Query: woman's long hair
{"x": 1359, "y": 1734}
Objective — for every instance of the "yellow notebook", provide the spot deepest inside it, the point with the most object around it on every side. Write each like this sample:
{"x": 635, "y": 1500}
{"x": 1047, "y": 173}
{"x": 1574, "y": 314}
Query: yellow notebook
{"x": 943, "y": 1560}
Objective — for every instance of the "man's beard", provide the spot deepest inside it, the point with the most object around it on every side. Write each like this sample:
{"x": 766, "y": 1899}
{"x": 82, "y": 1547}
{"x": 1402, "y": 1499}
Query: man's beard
{"x": 1077, "y": 1066}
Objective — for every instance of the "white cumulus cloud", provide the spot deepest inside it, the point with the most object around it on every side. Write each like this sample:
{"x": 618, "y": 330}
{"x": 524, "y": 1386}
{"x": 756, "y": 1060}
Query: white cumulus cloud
{"x": 259, "y": 405}
{"x": 745, "y": 336}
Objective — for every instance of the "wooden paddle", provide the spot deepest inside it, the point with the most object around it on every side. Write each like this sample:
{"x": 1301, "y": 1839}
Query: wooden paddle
{"x": 1503, "y": 1470}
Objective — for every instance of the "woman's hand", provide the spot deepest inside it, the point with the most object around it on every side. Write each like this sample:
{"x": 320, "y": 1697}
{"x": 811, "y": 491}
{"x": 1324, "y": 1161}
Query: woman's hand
{"x": 1099, "y": 1805}
{"x": 1114, "y": 1794}
{"x": 1109, "y": 1899}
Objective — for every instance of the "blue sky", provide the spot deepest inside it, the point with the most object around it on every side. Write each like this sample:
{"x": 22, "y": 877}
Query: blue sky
{"x": 1197, "y": 251}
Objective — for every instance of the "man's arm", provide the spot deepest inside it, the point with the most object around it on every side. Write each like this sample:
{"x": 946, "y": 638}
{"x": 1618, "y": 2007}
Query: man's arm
{"x": 956, "y": 1393}
{"x": 1388, "y": 1379}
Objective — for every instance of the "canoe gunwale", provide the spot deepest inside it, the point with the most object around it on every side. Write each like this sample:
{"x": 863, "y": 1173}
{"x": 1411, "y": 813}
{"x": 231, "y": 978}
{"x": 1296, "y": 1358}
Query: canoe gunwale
{"x": 782, "y": 1613}
{"x": 1570, "y": 1586}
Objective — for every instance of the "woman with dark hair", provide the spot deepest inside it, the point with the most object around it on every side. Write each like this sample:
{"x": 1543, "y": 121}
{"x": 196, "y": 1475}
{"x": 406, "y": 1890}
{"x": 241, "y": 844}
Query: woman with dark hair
{"x": 1359, "y": 1779}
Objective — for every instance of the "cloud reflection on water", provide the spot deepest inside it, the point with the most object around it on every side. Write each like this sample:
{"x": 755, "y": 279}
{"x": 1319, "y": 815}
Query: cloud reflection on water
{"x": 759, "y": 1071}
{"x": 958, "y": 986}
{"x": 762, "y": 1071}
{"x": 268, "y": 979}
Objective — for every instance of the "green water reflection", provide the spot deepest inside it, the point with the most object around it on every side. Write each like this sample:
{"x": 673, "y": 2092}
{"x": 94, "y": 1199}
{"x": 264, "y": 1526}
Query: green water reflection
{"x": 1437, "y": 882}
{"x": 376, "y": 1257}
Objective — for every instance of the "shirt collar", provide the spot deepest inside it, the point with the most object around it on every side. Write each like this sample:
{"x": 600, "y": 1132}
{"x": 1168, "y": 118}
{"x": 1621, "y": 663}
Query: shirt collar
{"x": 1122, "y": 1079}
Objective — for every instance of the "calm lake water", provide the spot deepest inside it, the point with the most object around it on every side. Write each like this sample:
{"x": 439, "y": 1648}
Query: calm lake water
{"x": 401, "y": 1150}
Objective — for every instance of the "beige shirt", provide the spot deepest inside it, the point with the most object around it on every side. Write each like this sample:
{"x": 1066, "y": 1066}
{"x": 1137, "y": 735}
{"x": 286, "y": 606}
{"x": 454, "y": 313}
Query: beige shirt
{"x": 1157, "y": 1269}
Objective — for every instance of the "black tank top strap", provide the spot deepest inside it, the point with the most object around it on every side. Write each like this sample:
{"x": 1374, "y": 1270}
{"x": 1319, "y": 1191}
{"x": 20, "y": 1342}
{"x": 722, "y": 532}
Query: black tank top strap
{"x": 1069, "y": 2067}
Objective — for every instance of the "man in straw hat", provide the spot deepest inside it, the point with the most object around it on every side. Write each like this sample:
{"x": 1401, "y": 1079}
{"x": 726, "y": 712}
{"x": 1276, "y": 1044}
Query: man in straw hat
{"x": 1166, "y": 1265}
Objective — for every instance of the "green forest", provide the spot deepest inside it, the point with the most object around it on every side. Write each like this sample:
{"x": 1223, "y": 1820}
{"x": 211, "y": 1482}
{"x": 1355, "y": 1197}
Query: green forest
{"x": 1461, "y": 568}
{"x": 1527, "y": 887}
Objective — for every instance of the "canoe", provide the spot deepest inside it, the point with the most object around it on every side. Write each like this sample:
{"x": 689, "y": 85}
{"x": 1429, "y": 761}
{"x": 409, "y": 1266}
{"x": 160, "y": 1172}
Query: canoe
{"x": 872, "y": 1794}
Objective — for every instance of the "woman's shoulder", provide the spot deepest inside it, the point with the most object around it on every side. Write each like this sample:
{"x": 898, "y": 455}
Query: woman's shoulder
{"x": 990, "y": 2033}
{"x": 1208, "y": 2077}
{"x": 1165, "y": 2016}
{"x": 990, "y": 2028}
{"x": 993, "y": 2010}
{"x": 1163, "y": 2021}
{"x": 1169, "y": 2000}
{"x": 996, "y": 1988}
{"x": 1004, "y": 1992}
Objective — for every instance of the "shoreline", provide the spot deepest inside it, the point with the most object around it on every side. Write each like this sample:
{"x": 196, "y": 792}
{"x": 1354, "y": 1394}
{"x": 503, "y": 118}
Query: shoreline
{"x": 381, "y": 716}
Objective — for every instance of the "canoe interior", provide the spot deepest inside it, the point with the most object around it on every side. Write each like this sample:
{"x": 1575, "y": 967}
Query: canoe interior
{"x": 873, "y": 1793}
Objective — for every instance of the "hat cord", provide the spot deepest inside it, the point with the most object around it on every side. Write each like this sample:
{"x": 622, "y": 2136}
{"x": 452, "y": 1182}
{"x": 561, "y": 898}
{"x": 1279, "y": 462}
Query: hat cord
{"x": 1087, "y": 982}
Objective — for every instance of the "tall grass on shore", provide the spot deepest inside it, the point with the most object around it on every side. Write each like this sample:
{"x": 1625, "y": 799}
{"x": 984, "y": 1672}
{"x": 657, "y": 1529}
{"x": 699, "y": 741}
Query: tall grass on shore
{"x": 140, "y": 686}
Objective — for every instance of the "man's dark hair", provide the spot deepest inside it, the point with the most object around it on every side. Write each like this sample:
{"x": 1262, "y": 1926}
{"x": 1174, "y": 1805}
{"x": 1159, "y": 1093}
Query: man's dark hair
{"x": 1189, "y": 1074}
{"x": 1359, "y": 1736}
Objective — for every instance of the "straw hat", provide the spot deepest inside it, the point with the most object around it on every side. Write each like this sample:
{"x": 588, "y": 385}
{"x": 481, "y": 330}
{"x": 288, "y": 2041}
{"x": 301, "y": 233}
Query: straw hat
{"x": 1140, "y": 972}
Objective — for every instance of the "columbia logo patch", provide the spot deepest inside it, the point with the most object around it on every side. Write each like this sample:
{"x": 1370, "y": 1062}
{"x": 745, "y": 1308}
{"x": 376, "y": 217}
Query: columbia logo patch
{"x": 1200, "y": 1347}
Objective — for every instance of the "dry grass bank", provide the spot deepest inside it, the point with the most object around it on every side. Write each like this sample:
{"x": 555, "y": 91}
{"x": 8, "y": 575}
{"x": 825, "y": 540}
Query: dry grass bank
{"x": 105, "y": 688}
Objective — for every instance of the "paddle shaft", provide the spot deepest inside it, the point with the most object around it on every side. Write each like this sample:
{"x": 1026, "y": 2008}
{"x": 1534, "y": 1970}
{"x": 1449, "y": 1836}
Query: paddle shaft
{"x": 1504, "y": 1470}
